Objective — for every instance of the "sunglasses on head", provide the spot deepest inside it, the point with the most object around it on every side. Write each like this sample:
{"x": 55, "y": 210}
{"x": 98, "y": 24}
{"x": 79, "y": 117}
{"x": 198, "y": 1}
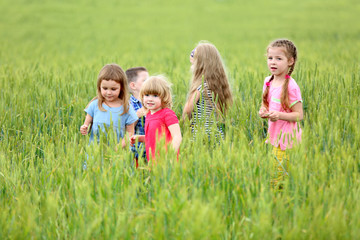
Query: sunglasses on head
{"x": 192, "y": 53}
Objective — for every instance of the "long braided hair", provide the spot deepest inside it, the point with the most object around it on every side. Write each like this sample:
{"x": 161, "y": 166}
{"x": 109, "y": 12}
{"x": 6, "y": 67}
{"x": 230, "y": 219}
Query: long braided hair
{"x": 290, "y": 52}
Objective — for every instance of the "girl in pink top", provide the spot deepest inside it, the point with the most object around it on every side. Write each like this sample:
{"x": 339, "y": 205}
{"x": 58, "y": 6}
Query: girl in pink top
{"x": 281, "y": 105}
{"x": 161, "y": 121}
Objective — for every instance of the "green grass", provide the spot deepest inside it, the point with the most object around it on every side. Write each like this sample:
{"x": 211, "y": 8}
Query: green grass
{"x": 50, "y": 55}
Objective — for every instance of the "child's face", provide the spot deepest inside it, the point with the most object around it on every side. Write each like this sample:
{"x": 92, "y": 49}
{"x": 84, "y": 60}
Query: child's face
{"x": 152, "y": 102}
{"x": 142, "y": 76}
{"x": 110, "y": 90}
{"x": 277, "y": 61}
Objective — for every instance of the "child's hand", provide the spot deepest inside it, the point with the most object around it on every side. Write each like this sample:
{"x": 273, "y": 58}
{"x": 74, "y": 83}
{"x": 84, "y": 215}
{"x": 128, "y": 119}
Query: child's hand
{"x": 144, "y": 111}
{"x": 84, "y": 129}
{"x": 141, "y": 112}
{"x": 263, "y": 112}
{"x": 132, "y": 140}
{"x": 274, "y": 116}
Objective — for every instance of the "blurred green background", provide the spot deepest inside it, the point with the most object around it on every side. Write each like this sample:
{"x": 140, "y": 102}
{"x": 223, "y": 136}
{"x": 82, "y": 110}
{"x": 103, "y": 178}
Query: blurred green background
{"x": 64, "y": 32}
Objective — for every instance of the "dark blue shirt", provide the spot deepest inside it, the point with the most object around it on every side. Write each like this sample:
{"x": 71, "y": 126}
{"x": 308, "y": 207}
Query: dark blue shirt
{"x": 139, "y": 127}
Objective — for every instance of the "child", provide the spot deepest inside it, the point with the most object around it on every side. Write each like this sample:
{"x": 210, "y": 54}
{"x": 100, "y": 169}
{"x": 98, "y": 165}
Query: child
{"x": 161, "y": 121}
{"x": 136, "y": 77}
{"x": 282, "y": 105}
{"x": 111, "y": 105}
{"x": 209, "y": 90}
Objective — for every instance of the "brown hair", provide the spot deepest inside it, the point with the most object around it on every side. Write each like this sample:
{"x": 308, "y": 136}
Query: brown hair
{"x": 132, "y": 73}
{"x": 290, "y": 52}
{"x": 208, "y": 67}
{"x": 115, "y": 73}
{"x": 157, "y": 85}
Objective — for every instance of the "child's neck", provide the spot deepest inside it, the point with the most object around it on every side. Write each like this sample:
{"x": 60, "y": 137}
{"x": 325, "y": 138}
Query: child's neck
{"x": 278, "y": 80}
{"x": 117, "y": 103}
{"x": 155, "y": 110}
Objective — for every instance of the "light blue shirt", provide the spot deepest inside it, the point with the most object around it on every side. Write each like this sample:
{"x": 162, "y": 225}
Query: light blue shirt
{"x": 111, "y": 115}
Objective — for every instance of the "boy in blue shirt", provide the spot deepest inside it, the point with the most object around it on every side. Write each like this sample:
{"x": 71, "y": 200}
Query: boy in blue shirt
{"x": 136, "y": 77}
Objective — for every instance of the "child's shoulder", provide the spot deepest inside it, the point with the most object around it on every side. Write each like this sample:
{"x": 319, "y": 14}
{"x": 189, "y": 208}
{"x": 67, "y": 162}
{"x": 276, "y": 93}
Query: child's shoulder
{"x": 136, "y": 103}
{"x": 267, "y": 79}
{"x": 93, "y": 103}
{"x": 169, "y": 116}
{"x": 167, "y": 111}
{"x": 203, "y": 85}
{"x": 293, "y": 84}
{"x": 133, "y": 99}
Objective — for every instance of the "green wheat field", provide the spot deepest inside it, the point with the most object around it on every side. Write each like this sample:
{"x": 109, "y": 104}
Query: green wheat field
{"x": 50, "y": 55}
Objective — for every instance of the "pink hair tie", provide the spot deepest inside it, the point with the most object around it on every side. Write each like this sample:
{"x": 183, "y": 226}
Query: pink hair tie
{"x": 287, "y": 76}
{"x": 268, "y": 84}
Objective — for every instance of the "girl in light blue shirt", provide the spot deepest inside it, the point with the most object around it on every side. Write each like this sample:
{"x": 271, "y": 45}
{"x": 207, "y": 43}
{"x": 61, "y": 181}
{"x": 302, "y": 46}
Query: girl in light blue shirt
{"x": 110, "y": 106}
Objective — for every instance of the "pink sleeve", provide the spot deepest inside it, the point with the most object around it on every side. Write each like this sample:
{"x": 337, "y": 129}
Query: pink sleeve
{"x": 294, "y": 94}
{"x": 170, "y": 118}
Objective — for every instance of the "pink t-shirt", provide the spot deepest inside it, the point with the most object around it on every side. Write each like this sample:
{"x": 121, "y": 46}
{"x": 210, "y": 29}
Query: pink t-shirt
{"x": 282, "y": 132}
{"x": 158, "y": 124}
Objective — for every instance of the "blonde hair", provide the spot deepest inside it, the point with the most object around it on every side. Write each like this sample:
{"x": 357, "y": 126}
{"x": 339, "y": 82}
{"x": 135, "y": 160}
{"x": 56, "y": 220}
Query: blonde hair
{"x": 157, "y": 85}
{"x": 208, "y": 67}
{"x": 290, "y": 52}
{"x": 115, "y": 73}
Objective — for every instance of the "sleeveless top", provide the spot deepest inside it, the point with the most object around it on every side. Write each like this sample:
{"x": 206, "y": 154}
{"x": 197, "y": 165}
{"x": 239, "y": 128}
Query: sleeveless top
{"x": 204, "y": 116}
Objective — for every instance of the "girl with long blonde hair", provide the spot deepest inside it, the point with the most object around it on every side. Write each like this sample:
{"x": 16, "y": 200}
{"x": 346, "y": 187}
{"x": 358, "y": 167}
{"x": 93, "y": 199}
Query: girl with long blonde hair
{"x": 209, "y": 96}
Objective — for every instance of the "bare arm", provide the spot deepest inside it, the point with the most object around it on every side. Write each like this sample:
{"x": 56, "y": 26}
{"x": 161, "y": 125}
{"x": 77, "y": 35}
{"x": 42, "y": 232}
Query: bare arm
{"x": 140, "y": 138}
{"x": 129, "y": 132}
{"x": 189, "y": 105}
{"x": 294, "y": 116}
{"x": 176, "y": 135}
{"x": 85, "y": 126}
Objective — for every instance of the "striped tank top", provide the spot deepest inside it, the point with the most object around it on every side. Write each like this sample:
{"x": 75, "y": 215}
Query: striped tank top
{"x": 204, "y": 115}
